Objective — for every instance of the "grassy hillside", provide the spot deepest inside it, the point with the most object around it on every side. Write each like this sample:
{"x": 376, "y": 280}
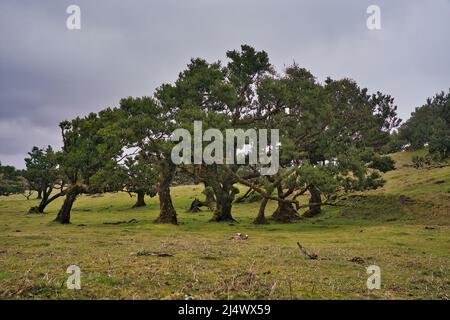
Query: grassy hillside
{"x": 404, "y": 228}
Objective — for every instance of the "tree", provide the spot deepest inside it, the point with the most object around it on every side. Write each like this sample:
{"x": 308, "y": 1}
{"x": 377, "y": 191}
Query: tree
{"x": 359, "y": 126}
{"x": 141, "y": 179}
{"x": 222, "y": 98}
{"x": 330, "y": 137}
{"x": 395, "y": 143}
{"x": 147, "y": 125}
{"x": 11, "y": 181}
{"x": 429, "y": 126}
{"x": 42, "y": 174}
{"x": 248, "y": 94}
{"x": 88, "y": 146}
{"x": 132, "y": 175}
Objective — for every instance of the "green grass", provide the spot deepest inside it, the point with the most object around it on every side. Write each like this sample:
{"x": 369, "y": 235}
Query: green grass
{"x": 409, "y": 241}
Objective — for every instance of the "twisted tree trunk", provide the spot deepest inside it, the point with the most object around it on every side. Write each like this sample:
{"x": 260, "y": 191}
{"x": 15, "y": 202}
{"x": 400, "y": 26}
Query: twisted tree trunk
{"x": 224, "y": 203}
{"x": 315, "y": 202}
{"x": 261, "y": 218}
{"x": 285, "y": 211}
{"x": 210, "y": 200}
{"x": 140, "y": 202}
{"x": 46, "y": 201}
{"x": 72, "y": 192}
{"x": 225, "y": 193}
{"x": 167, "y": 213}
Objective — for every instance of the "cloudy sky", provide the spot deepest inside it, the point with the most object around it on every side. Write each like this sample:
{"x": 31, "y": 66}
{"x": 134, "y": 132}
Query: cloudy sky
{"x": 127, "y": 48}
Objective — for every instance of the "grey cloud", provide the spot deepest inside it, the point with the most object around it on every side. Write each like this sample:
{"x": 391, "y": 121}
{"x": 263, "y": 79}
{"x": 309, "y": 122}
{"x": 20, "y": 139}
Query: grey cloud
{"x": 48, "y": 73}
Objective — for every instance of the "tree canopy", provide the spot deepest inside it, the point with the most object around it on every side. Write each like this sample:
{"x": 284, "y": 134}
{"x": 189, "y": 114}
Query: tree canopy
{"x": 11, "y": 181}
{"x": 429, "y": 125}
{"x": 331, "y": 136}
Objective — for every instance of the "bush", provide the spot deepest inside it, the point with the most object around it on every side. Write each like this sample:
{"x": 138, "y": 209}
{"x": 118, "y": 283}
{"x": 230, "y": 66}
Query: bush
{"x": 384, "y": 164}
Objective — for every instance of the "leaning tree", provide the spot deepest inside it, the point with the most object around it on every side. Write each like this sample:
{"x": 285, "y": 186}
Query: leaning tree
{"x": 43, "y": 175}
{"x": 89, "y": 145}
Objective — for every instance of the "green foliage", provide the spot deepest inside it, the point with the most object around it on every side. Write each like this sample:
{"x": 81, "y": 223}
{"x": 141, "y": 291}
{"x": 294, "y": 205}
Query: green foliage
{"x": 430, "y": 125}
{"x": 41, "y": 169}
{"x": 322, "y": 177}
{"x": 89, "y": 145}
{"x": 11, "y": 181}
{"x": 141, "y": 176}
{"x": 110, "y": 178}
{"x": 395, "y": 144}
{"x": 383, "y": 164}
{"x": 332, "y": 133}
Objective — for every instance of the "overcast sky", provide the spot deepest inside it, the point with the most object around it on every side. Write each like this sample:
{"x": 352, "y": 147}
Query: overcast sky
{"x": 128, "y": 48}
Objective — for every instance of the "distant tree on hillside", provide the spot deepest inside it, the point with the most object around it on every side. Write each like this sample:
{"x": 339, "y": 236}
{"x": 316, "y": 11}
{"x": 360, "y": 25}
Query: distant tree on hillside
{"x": 11, "y": 181}
{"x": 429, "y": 125}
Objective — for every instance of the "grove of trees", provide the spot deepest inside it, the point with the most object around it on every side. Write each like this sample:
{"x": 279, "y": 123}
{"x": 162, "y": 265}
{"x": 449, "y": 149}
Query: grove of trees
{"x": 333, "y": 140}
{"x": 11, "y": 181}
{"x": 429, "y": 125}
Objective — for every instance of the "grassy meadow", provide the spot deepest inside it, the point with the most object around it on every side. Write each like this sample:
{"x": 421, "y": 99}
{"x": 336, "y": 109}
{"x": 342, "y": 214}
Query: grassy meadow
{"x": 404, "y": 228}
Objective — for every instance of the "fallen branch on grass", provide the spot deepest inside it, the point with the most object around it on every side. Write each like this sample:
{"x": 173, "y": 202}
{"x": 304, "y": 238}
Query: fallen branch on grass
{"x": 145, "y": 253}
{"x": 121, "y": 222}
{"x": 311, "y": 255}
{"x": 357, "y": 260}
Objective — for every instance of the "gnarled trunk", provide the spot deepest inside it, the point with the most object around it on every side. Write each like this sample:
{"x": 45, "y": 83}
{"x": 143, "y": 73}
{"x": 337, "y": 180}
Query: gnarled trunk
{"x": 285, "y": 211}
{"x": 209, "y": 200}
{"x": 39, "y": 194}
{"x": 72, "y": 192}
{"x": 222, "y": 185}
{"x": 224, "y": 202}
{"x": 315, "y": 203}
{"x": 261, "y": 218}
{"x": 224, "y": 193}
{"x": 140, "y": 202}
{"x": 43, "y": 195}
{"x": 167, "y": 213}
{"x": 45, "y": 200}
{"x": 196, "y": 205}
